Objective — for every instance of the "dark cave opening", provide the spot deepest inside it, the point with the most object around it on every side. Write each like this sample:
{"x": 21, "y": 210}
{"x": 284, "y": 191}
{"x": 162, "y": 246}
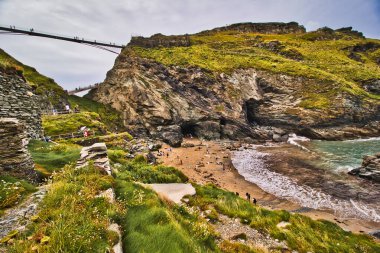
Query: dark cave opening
{"x": 188, "y": 129}
{"x": 250, "y": 108}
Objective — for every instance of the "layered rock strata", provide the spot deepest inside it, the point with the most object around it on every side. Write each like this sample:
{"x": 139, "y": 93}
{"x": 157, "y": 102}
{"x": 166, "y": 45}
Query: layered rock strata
{"x": 15, "y": 159}
{"x": 370, "y": 168}
{"x": 96, "y": 153}
{"x": 18, "y": 101}
{"x": 168, "y": 102}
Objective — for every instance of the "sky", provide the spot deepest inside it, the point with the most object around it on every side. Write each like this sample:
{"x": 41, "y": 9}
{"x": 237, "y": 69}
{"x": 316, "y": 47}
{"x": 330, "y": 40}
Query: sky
{"x": 72, "y": 65}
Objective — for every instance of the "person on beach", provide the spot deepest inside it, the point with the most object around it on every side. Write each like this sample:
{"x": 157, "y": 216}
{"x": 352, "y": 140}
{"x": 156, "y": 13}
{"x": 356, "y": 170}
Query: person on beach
{"x": 254, "y": 201}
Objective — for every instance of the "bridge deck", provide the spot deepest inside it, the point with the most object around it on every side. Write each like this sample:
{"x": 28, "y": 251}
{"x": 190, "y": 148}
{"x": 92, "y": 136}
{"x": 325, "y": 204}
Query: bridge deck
{"x": 32, "y": 32}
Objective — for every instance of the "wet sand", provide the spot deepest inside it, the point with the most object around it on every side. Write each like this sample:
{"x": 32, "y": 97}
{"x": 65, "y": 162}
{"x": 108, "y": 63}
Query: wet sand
{"x": 210, "y": 162}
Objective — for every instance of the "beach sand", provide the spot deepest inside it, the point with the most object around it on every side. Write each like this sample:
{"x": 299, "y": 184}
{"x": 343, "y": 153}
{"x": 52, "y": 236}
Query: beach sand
{"x": 210, "y": 162}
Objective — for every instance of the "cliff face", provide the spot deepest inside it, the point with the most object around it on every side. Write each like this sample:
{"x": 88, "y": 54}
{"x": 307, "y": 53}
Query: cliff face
{"x": 167, "y": 92}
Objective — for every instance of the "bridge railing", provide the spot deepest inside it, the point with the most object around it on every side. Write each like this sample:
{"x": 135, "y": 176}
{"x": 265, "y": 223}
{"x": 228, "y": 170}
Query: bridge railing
{"x": 35, "y": 32}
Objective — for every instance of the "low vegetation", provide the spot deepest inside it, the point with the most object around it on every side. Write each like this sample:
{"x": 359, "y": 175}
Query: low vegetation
{"x": 49, "y": 157}
{"x": 71, "y": 217}
{"x": 302, "y": 234}
{"x": 62, "y": 124}
{"x": 12, "y": 191}
{"x": 107, "y": 114}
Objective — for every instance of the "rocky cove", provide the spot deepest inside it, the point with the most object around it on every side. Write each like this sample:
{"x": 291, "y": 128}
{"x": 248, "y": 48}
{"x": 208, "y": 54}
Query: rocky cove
{"x": 217, "y": 112}
{"x": 303, "y": 177}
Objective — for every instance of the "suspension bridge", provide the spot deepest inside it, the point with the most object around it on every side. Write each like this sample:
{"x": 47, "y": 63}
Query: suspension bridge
{"x": 13, "y": 30}
{"x": 80, "y": 89}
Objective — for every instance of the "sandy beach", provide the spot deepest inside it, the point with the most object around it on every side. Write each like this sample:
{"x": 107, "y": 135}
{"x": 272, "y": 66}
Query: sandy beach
{"x": 210, "y": 162}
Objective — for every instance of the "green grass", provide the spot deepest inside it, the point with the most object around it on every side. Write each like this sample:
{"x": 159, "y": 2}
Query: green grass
{"x": 303, "y": 234}
{"x": 107, "y": 114}
{"x": 12, "y": 191}
{"x": 326, "y": 61}
{"x": 151, "y": 225}
{"x": 139, "y": 170}
{"x": 71, "y": 218}
{"x": 113, "y": 140}
{"x": 41, "y": 84}
{"x": 70, "y": 123}
{"x": 49, "y": 157}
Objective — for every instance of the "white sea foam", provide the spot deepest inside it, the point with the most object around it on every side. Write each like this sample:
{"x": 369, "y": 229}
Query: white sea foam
{"x": 251, "y": 165}
{"x": 364, "y": 140}
{"x": 295, "y": 139}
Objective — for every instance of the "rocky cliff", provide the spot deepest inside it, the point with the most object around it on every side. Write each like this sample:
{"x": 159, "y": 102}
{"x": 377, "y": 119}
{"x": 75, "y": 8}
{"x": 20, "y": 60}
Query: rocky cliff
{"x": 245, "y": 82}
{"x": 52, "y": 95}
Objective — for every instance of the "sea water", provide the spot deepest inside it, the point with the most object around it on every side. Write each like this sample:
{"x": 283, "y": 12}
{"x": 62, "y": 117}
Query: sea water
{"x": 334, "y": 158}
{"x": 342, "y": 156}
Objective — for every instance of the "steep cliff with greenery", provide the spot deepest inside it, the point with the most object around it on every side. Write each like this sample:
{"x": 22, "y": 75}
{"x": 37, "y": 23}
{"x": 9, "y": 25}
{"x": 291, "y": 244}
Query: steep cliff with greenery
{"x": 231, "y": 81}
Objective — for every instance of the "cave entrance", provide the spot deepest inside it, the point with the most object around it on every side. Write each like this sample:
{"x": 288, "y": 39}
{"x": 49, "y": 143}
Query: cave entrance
{"x": 188, "y": 129}
{"x": 250, "y": 108}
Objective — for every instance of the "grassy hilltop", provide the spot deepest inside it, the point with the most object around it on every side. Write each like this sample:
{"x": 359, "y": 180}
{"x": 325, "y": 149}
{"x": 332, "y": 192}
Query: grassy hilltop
{"x": 341, "y": 59}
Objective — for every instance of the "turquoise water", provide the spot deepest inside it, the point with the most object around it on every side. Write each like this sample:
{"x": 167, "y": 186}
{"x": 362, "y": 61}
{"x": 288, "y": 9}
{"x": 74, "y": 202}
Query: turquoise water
{"x": 341, "y": 156}
{"x": 317, "y": 180}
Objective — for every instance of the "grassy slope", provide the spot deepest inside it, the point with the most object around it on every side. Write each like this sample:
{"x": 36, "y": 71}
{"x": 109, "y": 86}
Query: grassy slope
{"x": 49, "y": 157}
{"x": 324, "y": 60}
{"x": 303, "y": 234}
{"x": 12, "y": 191}
{"x": 72, "y": 219}
{"x": 43, "y": 85}
{"x": 70, "y": 123}
{"x": 108, "y": 115}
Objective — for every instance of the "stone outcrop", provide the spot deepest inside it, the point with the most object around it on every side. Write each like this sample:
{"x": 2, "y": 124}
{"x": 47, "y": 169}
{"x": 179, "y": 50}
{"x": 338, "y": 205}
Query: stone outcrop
{"x": 265, "y": 28}
{"x": 169, "y": 102}
{"x": 97, "y": 153}
{"x": 161, "y": 40}
{"x": 15, "y": 159}
{"x": 18, "y": 101}
{"x": 370, "y": 168}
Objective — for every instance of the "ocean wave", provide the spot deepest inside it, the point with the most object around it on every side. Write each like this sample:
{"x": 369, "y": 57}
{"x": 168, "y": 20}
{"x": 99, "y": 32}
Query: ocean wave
{"x": 364, "y": 140}
{"x": 251, "y": 165}
{"x": 294, "y": 139}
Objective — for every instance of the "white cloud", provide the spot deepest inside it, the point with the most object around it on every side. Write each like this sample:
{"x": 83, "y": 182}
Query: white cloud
{"x": 72, "y": 65}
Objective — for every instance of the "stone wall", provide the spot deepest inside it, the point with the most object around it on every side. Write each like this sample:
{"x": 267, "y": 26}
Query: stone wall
{"x": 15, "y": 159}
{"x": 161, "y": 40}
{"x": 18, "y": 101}
{"x": 265, "y": 28}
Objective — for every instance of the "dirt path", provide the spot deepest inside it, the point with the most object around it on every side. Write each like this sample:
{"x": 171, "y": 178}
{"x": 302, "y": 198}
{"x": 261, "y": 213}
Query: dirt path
{"x": 17, "y": 218}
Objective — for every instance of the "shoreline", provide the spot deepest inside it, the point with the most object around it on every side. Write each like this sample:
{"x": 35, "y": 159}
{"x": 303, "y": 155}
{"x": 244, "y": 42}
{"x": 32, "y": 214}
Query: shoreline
{"x": 210, "y": 162}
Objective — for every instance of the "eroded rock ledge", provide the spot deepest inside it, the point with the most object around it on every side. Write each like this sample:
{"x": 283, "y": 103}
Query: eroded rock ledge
{"x": 168, "y": 102}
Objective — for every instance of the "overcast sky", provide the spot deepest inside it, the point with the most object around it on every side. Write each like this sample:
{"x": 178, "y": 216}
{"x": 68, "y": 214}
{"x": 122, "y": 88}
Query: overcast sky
{"x": 73, "y": 65}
